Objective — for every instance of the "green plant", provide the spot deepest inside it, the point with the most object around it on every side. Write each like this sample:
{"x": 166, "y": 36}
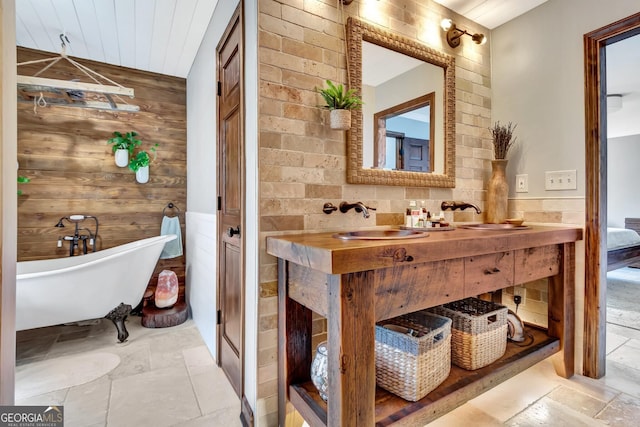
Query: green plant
{"x": 142, "y": 158}
{"x": 502, "y": 139}
{"x": 338, "y": 98}
{"x": 22, "y": 180}
{"x": 127, "y": 141}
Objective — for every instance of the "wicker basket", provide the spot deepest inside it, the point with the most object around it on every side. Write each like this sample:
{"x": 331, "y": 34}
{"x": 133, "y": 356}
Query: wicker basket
{"x": 410, "y": 366}
{"x": 478, "y": 331}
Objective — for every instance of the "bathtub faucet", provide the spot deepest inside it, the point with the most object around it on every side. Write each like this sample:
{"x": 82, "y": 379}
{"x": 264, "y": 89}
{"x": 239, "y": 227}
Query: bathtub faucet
{"x": 78, "y": 235}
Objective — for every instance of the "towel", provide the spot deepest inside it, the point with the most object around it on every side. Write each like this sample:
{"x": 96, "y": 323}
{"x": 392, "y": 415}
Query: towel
{"x": 171, "y": 225}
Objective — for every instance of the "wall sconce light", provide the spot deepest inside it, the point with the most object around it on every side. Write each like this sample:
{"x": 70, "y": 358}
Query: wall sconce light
{"x": 454, "y": 34}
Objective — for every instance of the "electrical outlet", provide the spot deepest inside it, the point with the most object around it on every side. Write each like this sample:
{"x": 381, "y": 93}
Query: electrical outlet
{"x": 519, "y": 291}
{"x": 522, "y": 183}
{"x": 560, "y": 180}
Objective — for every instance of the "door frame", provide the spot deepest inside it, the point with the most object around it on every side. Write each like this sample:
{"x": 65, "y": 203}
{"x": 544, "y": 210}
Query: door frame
{"x": 8, "y": 204}
{"x": 595, "y": 298}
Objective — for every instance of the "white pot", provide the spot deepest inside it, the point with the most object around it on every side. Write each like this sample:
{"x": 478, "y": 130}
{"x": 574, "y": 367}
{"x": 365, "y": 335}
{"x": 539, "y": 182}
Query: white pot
{"x": 340, "y": 119}
{"x": 122, "y": 158}
{"x": 142, "y": 175}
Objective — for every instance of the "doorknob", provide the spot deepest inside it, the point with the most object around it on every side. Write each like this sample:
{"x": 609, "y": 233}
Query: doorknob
{"x": 233, "y": 231}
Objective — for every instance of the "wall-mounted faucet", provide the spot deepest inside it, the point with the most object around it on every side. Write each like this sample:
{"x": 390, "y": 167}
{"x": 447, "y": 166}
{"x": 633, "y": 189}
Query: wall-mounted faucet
{"x": 458, "y": 205}
{"x": 78, "y": 235}
{"x": 357, "y": 206}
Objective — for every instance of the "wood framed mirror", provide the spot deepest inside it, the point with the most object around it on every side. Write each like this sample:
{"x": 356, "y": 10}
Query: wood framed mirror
{"x": 413, "y": 72}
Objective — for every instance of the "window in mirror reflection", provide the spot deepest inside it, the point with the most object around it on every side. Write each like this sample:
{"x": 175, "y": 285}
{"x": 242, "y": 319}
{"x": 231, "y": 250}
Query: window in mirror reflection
{"x": 396, "y": 89}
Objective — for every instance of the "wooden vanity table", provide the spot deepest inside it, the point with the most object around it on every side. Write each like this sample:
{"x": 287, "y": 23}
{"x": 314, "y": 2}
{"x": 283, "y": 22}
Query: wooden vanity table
{"x": 356, "y": 283}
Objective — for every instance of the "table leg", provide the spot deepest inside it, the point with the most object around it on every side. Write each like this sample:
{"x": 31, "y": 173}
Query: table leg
{"x": 562, "y": 311}
{"x": 351, "y": 346}
{"x": 294, "y": 342}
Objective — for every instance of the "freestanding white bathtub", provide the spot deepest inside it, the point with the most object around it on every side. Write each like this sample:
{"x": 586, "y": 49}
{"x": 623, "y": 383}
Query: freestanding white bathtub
{"x": 95, "y": 285}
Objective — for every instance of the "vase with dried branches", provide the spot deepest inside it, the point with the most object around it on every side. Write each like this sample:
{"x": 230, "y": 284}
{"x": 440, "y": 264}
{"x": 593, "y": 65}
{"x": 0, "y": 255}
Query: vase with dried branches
{"x": 498, "y": 187}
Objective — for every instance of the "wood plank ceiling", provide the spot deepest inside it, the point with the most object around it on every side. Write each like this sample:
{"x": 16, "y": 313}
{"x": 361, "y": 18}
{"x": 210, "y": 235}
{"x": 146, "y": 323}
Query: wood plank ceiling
{"x": 161, "y": 36}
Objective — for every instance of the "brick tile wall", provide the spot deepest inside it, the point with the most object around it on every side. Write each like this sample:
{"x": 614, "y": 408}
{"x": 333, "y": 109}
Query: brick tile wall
{"x": 303, "y": 162}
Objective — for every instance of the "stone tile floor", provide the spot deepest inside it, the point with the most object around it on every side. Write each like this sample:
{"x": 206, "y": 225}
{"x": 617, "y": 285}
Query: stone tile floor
{"x": 538, "y": 397}
{"x": 167, "y": 377}
{"x": 158, "y": 377}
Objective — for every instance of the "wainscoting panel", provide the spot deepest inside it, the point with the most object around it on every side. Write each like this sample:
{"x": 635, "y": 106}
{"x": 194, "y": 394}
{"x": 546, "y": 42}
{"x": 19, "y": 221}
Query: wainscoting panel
{"x": 202, "y": 274}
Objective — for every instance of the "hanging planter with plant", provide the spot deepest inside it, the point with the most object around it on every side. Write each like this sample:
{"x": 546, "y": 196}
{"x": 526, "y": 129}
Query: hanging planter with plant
{"x": 123, "y": 146}
{"x": 140, "y": 164}
{"x": 22, "y": 180}
{"x": 340, "y": 101}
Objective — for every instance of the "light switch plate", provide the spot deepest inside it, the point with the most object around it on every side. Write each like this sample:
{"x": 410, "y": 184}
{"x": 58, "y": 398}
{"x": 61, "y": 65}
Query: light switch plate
{"x": 560, "y": 180}
{"x": 522, "y": 183}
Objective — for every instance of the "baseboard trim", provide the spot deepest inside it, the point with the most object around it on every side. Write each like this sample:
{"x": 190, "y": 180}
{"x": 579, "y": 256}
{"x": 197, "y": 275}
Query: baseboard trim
{"x": 246, "y": 414}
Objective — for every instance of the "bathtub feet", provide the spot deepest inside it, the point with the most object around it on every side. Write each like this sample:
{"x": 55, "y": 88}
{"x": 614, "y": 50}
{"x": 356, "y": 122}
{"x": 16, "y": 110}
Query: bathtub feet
{"x": 118, "y": 316}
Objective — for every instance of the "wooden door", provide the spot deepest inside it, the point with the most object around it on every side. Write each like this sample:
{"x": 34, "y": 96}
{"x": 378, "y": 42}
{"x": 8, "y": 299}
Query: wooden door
{"x": 416, "y": 155}
{"x": 230, "y": 169}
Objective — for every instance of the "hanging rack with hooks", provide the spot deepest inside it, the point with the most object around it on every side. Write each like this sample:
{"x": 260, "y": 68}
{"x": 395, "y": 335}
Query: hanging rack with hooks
{"x": 101, "y": 94}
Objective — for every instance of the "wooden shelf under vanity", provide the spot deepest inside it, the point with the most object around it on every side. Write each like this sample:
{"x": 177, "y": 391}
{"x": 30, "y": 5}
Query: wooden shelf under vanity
{"x": 459, "y": 387}
{"x": 355, "y": 284}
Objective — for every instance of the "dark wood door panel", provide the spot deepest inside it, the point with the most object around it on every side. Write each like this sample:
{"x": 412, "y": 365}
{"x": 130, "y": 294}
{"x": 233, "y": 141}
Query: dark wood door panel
{"x": 231, "y": 316}
{"x": 231, "y": 192}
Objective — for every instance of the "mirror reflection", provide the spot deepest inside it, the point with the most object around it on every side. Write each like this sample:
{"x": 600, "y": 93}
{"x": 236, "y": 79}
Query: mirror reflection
{"x": 400, "y": 129}
{"x": 405, "y": 132}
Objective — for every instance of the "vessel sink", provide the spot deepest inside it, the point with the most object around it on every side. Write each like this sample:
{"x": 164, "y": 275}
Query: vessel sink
{"x": 380, "y": 234}
{"x": 498, "y": 227}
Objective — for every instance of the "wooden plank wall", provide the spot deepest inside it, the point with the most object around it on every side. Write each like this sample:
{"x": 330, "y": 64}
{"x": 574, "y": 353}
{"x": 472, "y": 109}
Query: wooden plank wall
{"x": 64, "y": 151}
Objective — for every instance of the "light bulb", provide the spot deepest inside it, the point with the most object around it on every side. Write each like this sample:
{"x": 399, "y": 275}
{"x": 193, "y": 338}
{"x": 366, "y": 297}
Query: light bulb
{"x": 446, "y": 24}
{"x": 479, "y": 38}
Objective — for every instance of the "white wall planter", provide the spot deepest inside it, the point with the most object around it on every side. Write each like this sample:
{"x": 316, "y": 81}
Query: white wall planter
{"x": 340, "y": 119}
{"x": 122, "y": 158}
{"x": 142, "y": 174}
